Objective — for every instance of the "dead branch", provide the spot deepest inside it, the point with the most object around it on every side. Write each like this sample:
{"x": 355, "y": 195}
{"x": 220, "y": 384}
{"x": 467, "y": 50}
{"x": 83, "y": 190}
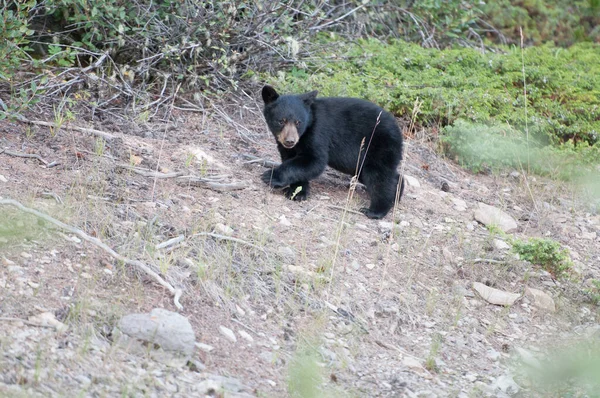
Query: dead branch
{"x": 24, "y": 155}
{"x": 229, "y": 238}
{"x": 170, "y": 242}
{"x": 103, "y": 134}
{"x": 263, "y": 162}
{"x": 97, "y": 242}
{"x": 211, "y": 184}
{"x": 25, "y": 321}
{"x": 149, "y": 173}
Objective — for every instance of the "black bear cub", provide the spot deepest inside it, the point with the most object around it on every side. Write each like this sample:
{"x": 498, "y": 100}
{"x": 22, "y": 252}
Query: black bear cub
{"x": 312, "y": 133}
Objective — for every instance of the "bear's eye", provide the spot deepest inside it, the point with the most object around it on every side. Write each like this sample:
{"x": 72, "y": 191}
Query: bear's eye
{"x": 282, "y": 122}
{"x": 297, "y": 123}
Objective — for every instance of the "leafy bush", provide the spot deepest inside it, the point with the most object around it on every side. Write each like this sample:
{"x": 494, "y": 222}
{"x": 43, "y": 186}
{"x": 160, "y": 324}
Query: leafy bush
{"x": 562, "y": 22}
{"x": 563, "y": 85}
{"x": 481, "y": 147}
{"x": 546, "y": 253}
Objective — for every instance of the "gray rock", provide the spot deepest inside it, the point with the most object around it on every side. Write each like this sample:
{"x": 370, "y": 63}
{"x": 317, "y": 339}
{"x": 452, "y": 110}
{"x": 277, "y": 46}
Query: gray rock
{"x": 228, "y": 334}
{"x": 170, "y": 331}
{"x": 506, "y": 384}
{"x": 490, "y": 215}
{"x": 412, "y": 181}
{"x": 540, "y": 299}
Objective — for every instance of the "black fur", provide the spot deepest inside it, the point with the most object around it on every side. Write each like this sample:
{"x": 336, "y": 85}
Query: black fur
{"x": 330, "y": 132}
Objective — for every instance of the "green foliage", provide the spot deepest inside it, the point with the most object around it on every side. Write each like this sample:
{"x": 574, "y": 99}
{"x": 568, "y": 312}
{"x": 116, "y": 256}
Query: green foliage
{"x": 593, "y": 292}
{"x": 563, "y": 85}
{"x": 16, "y": 227}
{"x": 14, "y": 30}
{"x": 481, "y": 147}
{"x": 305, "y": 376}
{"x": 563, "y": 22}
{"x": 546, "y": 253}
{"x": 571, "y": 370}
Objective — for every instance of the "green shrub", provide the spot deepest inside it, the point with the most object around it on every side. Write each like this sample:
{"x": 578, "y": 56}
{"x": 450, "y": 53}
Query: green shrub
{"x": 563, "y": 85}
{"x": 481, "y": 147}
{"x": 546, "y": 253}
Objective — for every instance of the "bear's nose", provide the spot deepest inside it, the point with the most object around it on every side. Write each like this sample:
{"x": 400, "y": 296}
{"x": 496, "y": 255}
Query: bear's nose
{"x": 290, "y": 143}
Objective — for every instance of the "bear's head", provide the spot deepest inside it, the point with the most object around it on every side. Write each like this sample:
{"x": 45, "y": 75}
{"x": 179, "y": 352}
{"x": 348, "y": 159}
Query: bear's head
{"x": 288, "y": 116}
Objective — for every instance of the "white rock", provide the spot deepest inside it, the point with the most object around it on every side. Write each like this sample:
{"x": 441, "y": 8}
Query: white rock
{"x": 228, "y": 334}
{"x": 490, "y": 215}
{"x": 245, "y": 335}
{"x": 412, "y": 181}
{"x": 49, "y": 320}
{"x": 169, "y": 330}
{"x": 540, "y": 299}
{"x": 506, "y": 384}
{"x": 495, "y": 296}
{"x": 3, "y": 179}
{"x": 223, "y": 229}
{"x": 501, "y": 245}
{"x": 204, "y": 347}
{"x": 385, "y": 226}
{"x": 284, "y": 221}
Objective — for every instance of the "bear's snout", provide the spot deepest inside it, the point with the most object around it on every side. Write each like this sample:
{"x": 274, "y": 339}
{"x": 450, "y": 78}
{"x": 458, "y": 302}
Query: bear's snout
{"x": 288, "y": 137}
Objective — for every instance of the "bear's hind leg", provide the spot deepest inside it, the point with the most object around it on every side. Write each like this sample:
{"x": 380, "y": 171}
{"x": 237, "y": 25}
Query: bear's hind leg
{"x": 382, "y": 191}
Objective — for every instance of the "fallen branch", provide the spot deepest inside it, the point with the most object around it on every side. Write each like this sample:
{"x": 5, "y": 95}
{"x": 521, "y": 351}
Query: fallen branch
{"x": 149, "y": 173}
{"x": 24, "y": 155}
{"x": 260, "y": 161}
{"x": 230, "y": 238}
{"x": 209, "y": 183}
{"x": 99, "y": 133}
{"x": 170, "y": 242}
{"x": 25, "y": 321}
{"x": 97, "y": 242}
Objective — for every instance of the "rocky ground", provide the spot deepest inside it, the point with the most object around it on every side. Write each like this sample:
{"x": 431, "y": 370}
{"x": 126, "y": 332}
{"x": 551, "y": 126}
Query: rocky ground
{"x": 283, "y": 298}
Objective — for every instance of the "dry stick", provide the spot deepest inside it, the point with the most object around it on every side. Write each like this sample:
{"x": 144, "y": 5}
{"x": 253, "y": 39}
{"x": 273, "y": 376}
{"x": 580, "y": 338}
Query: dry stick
{"x": 97, "y": 242}
{"x": 230, "y": 238}
{"x": 526, "y": 125}
{"x": 103, "y": 134}
{"x": 154, "y": 174}
{"x": 263, "y": 162}
{"x": 216, "y": 186}
{"x": 25, "y": 321}
{"x": 162, "y": 141}
{"x": 24, "y": 155}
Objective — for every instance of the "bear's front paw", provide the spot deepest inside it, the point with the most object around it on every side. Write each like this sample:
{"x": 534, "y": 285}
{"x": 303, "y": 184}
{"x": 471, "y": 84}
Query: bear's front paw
{"x": 372, "y": 214}
{"x": 296, "y": 192}
{"x": 271, "y": 178}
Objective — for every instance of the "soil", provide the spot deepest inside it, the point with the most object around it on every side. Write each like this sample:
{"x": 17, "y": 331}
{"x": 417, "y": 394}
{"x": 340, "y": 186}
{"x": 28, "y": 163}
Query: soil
{"x": 332, "y": 303}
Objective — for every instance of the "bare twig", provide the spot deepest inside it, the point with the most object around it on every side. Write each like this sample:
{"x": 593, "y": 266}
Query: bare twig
{"x": 97, "y": 242}
{"x": 25, "y": 321}
{"x": 263, "y": 162}
{"x": 24, "y": 155}
{"x": 170, "y": 242}
{"x": 229, "y": 238}
{"x": 153, "y": 174}
{"x": 208, "y": 183}
{"x": 103, "y": 134}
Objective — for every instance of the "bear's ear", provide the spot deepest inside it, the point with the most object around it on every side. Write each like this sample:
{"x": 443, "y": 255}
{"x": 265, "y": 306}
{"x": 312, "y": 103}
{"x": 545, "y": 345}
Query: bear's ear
{"x": 269, "y": 94}
{"x": 309, "y": 98}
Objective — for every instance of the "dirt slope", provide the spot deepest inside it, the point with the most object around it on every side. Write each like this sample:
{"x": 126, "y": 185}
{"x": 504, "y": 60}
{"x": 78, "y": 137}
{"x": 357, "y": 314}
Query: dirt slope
{"x": 364, "y": 307}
